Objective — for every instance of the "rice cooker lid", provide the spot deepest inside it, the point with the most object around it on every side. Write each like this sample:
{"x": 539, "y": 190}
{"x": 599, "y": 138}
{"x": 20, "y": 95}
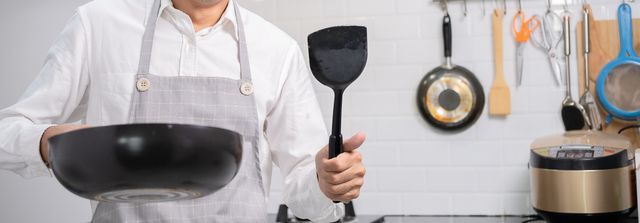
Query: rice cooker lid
{"x": 594, "y": 138}
{"x": 579, "y": 157}
{"x": 581, "y": 150}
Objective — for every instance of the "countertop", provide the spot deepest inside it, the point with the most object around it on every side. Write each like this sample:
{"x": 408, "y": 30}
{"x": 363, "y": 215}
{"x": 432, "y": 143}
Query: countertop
{"x": 464, "y": 219}
{"x": 446, "y": 219}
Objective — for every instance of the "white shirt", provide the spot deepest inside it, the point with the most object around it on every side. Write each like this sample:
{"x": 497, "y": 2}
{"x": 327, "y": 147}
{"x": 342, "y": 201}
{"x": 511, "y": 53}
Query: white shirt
{"x": 89, "y": 75}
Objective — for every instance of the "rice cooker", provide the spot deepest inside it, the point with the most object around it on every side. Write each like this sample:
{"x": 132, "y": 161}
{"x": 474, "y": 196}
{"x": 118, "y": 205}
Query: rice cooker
{"x": 582, "y": 176}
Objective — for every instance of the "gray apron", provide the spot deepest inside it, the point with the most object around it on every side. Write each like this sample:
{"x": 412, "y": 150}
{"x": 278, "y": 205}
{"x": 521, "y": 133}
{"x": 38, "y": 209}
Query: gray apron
{"x": 208, "y": 101}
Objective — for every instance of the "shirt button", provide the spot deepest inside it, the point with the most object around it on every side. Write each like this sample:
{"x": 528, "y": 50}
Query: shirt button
{"x": 246, "y": 88}
{"x": 143, "y": 84}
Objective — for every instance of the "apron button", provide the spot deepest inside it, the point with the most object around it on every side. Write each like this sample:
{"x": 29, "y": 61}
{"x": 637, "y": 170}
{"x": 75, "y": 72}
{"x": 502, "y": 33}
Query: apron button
{"x": 143, "y": 84}
{"x": 246, "y": 88}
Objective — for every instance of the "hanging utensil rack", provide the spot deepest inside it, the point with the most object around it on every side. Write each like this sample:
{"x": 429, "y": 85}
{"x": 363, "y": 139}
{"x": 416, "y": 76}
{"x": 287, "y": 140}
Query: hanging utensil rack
{"x": 503, "y": 3}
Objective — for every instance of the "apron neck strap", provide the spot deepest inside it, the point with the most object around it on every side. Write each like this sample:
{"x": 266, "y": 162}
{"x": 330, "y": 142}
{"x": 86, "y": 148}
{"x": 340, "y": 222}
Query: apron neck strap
{"x": 149, "y": 33}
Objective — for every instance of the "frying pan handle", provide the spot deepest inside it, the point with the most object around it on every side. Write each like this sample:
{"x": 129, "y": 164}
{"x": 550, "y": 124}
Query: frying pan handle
{"x": 446, "y": 32}
{"x": 625, "y": 22}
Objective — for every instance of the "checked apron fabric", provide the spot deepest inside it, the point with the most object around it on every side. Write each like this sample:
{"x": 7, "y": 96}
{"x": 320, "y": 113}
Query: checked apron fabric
{"x": 207, "y": 101}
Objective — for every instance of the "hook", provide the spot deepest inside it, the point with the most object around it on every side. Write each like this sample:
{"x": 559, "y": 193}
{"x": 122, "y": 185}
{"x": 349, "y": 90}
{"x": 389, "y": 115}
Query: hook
{"x": 566, "y": 6}
{"x": 496, "y": 3}
{"x": 445, "y": 6}
{"x": 504, "y": 5}
{"x": 484, "y": 9}
{"x": 466, "y": 10}
{"x": 548, "y": 5}
{"x": 519, "y": 5}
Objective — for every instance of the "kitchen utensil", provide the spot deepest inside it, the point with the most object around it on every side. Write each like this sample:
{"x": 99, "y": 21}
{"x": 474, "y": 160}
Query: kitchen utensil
{"x": 522, "y": 29}
{"x": 573, "y": 114}
{"x": 450, "y": 97}
{"x": 145, "y": 162}
{"x": 337, "y": 56}
{"x": 582, "y": 177}
{"x": 499, "y": 95}
{"x": 617, "y": 86}
{"x": 586, "y": 100}
{"x": 547, "y": 38}
{"x": 605, "y": 47}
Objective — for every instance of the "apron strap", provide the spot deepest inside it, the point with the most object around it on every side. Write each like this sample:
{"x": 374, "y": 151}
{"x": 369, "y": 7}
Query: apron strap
{"x": 147, "y": 39}
{"x": 147, "y": 43}
{"x": 245, "y": 66}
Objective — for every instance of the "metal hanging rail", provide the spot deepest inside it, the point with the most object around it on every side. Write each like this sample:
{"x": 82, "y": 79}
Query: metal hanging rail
{"x": 503, "y": 3}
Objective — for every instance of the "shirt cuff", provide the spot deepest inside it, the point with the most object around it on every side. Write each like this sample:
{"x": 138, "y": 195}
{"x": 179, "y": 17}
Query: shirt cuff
{"x": 328, "y": 211}
{"x": 30, "y": 140}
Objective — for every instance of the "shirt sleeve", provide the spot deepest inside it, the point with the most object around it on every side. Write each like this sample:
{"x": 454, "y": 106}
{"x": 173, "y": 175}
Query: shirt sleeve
{"x": 55, "y": 96}
{"x": 296, "y": 131}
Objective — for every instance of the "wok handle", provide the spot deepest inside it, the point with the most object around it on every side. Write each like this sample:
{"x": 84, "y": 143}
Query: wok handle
{"x": 446, "y": 33}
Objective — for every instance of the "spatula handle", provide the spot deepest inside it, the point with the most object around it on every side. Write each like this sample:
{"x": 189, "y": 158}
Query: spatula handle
{"x": 335, "y": 146}
{"x": 335, "y": 140}
{"x": 566, "y": 27}
{"x": 497, "y": 18}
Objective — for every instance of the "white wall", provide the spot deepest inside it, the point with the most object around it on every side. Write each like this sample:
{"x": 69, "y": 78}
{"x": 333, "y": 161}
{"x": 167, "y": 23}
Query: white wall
{"x": 413, "y": 169}
{"x": 28, "y": 27}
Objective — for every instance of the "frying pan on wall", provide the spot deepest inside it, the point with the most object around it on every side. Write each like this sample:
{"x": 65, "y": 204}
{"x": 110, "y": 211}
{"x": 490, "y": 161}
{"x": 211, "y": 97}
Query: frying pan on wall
{"x": 145, "y": 162}
{"x": 618, "y": 84}
{"x": 450, "y": 97}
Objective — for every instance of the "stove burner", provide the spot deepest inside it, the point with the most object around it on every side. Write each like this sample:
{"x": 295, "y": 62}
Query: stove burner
{"x": 146, "y": 195}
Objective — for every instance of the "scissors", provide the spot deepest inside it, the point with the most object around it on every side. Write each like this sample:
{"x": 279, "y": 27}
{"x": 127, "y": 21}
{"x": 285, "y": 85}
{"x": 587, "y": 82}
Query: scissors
{"x": 522, "y": 29}
{"x": 547, "y": 38}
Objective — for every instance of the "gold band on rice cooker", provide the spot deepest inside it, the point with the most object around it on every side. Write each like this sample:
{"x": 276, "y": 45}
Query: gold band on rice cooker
{"x": 461, "y": 87}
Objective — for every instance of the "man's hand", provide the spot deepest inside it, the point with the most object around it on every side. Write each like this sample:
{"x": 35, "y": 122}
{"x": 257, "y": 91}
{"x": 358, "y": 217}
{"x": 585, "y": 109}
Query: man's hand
{"x": 342, "y": 177}
{"x": 54, "y": 131}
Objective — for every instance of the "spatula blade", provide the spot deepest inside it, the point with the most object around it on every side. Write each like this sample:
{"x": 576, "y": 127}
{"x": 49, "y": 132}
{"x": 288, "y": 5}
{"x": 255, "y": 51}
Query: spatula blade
{"x": 499, "y": 100}
{"x": 338, "y": 55}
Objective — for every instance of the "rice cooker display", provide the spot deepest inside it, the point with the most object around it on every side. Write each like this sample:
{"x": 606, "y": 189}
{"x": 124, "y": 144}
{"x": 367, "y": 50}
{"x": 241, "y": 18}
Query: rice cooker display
{"x": 575, "y": 154}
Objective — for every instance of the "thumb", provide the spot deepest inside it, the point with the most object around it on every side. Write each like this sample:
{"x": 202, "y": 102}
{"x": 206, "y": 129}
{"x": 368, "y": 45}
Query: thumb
{"x": 354, "y": 142}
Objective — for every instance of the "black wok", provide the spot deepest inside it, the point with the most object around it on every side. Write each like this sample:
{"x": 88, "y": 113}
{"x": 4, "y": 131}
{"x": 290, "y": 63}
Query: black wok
{"x": 145, "y": 162}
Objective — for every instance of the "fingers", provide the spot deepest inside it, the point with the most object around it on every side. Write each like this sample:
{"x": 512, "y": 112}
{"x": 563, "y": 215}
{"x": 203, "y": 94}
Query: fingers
{"x": 70, "y": 128}
{"x": 354, "y": 142}
{"x": 342, "y": 162}
{"x": 54, "y": 131}
{"x": 345, "y": 192}
{"x": 341, "y": 178}
{"x": 356, "y": 171}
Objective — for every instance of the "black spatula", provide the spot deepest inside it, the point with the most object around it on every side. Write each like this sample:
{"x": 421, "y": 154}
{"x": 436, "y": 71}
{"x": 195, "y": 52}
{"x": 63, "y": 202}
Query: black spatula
{"x": 338, "y": 56}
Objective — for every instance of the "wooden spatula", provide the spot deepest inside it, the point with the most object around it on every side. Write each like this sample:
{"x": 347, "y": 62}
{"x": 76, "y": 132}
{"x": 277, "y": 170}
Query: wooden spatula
{"x": 499, "y": 94}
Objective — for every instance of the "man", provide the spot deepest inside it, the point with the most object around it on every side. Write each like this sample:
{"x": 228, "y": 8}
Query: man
{"x": 114, "y": 60}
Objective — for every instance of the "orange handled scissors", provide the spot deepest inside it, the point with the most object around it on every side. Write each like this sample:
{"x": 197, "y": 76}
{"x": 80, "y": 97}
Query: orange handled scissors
{"x": 522, "y": 30}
